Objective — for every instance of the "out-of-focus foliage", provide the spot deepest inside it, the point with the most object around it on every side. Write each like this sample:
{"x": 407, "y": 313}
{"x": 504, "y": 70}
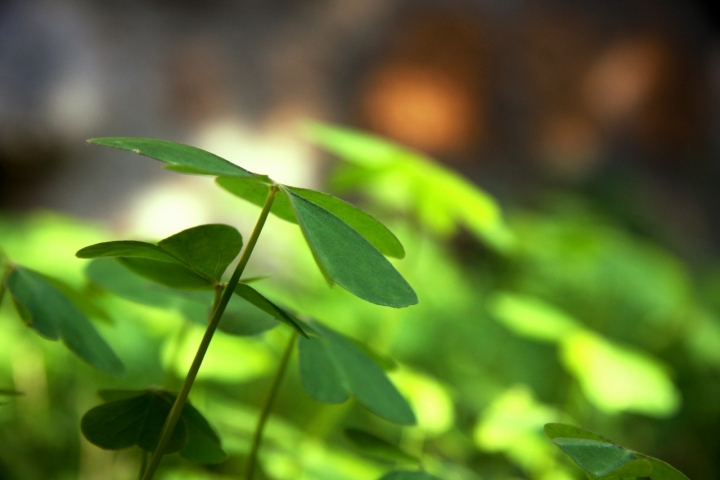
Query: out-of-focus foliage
{"x": 567, "y": 317}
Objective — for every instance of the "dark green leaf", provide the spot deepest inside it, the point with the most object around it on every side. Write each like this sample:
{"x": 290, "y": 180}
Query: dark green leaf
{"x": 127, "y": 248}
{"x": 596, "y": 457}
{"x": 8, "y": 392}
{"x": 365, "y": 224}
{"x": 348, "y": 258}
{"x": 245, "y": 319}
{"x": 256, "y": 193}
{"x": 168, "y": 274}
{"x": 320, "y": 377}
{"x": 254, "y": 297}
{"x": 203, "y": 444}
{"x": 181, "y": 157}
{"x": 662, "y": 470}
{"x": 409, "y": 475}
{"x": 635, "y": 469}
{"x": 332, "y": 367}
{"x": 206, "y": 249}
{"x": 131, "y": 421}
{"x": 52, "y": 315}
{"x": 377, "y": 447}
{"x": 562, "y": 430}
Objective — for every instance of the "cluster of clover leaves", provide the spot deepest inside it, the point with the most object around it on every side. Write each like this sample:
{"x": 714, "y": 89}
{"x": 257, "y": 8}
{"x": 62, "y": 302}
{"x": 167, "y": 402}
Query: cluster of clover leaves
{"x": 349, "y": 247}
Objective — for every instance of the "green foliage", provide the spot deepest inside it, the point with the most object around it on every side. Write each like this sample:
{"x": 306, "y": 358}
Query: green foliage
{"x": 601, "y": 458}
{"x": 409, "y": 475}
{"x": 374, "y": 446}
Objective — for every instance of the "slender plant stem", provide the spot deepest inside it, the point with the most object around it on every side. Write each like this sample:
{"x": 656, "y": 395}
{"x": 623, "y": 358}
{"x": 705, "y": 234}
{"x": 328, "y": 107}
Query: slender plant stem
{"x": 143, "y": 464}
{"x": 267, "y": 408}
{"x": 217, "y": 313}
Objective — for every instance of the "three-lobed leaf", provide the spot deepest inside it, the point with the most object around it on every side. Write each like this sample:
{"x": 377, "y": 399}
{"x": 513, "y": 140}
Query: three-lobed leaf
{"x": 132, "y": 417}
{"x": 55, "y": 317}
{"x": 332, "y": 368}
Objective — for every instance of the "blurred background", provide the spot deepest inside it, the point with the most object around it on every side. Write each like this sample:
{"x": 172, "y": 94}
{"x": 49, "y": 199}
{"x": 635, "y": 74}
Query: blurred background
{"x": 593, "y": 126}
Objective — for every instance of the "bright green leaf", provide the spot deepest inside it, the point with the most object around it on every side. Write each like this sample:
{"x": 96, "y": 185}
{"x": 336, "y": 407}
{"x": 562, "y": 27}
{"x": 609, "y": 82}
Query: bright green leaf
{"x": 562, "y": 430}
{"x": 53, "y": 316}
{"x": 133, "y": 420}
{"x": 531, "y": 317}
{"x": 348, "y": 258}
{"x": 409, "y": 475}
{"x": 366, "y": 225}
{"x": 127, "y": 248}
{"x": 333, "y": 367}
{"x": 256, "y": 193}
{"x": 374, "y": 446}
{"x": 206, "y": 249}
{"x": 255, "y": 298}
{"x": 168, "y": 274}
{"x": 595, "y": 457}
{"x": 181, "y": 157}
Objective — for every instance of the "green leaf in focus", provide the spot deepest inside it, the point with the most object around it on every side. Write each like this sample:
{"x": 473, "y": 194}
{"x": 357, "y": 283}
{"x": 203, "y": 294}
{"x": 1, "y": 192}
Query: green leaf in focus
{"x": 366, "y": 225}
{"x": 374, "y": 446}
{"x": 133, "y": 420}
{"x": 409, "y": 475}
{"x": 206, "y": 249}
{"x": 255, "y": 298}
{"x": 127, "y": 248}
{"x": 182, "y": 158}
{"x": 256, "y": 193}
{"x": 54, "y": 316}
{"x": 595, "y": 457}
{"x": 168, "y": 274}
{"x": 332, "y": 367}
{"x": 348, "y": 258}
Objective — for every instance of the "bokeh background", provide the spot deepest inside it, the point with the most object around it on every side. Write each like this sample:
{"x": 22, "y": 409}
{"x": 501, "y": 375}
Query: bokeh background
{"x": 593, "y": 124}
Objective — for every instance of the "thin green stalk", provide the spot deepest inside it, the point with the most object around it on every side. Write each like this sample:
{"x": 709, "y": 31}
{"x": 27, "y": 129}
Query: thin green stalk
{"x": 176, "y": 410}
{"x": 267, "y": 408}
{"x": 143, "y": 464}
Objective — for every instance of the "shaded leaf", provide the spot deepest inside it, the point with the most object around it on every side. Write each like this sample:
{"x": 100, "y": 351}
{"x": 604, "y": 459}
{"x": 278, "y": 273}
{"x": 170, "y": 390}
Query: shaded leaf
{"x": 168, "y": 274}
{"x": 256, "y": 193}
{"x": 333, "y": 367}
{"x": 662, "y": 470}
{"x": 206, "y": 249}
{"x": 53, "y": 316}
{"x": 595, "y": 457}
{"x": 203, "y": 445}
{"x": 133, "y": 420}
{"x": 245, "y": 319}
{"x": 377, "y": 447}
{"x": 348, "y": 258}
{"x": 257, "y": 299}
{"x": 127, "y": 248}
{"x": 366, "y": 225}
{"x": 182, "y": 158}
{"x": 636, "y": 469}
{"x": 409, "y": 475}
{"x": 562, "y": 430}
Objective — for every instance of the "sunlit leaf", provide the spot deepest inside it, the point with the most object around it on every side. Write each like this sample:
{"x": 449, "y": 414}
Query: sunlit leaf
{"x": 183, "y": 158}
{"x": 365, "y": 224}
{"x": 332, "y": 367}
{"x": 662, "y": 470}
{"x": 617, "y": 378}
{"x": 133, "y": 420}
{"x": 595, "y": 457}
{"x": 256, "y": 193}
{"x": 409, "y": 475}
{"x": 53, "y": 316}
{"x": 168, "y": 274}
{"x": 127, "y": 248}
{"x": 562, "y": 430}
{"x": 374, "y": 446}
{"x": 206, "y": 249}
{"x": 348, "y": 258}
{"x": 531, "y": 317}
{"x": 257, "y": 299}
